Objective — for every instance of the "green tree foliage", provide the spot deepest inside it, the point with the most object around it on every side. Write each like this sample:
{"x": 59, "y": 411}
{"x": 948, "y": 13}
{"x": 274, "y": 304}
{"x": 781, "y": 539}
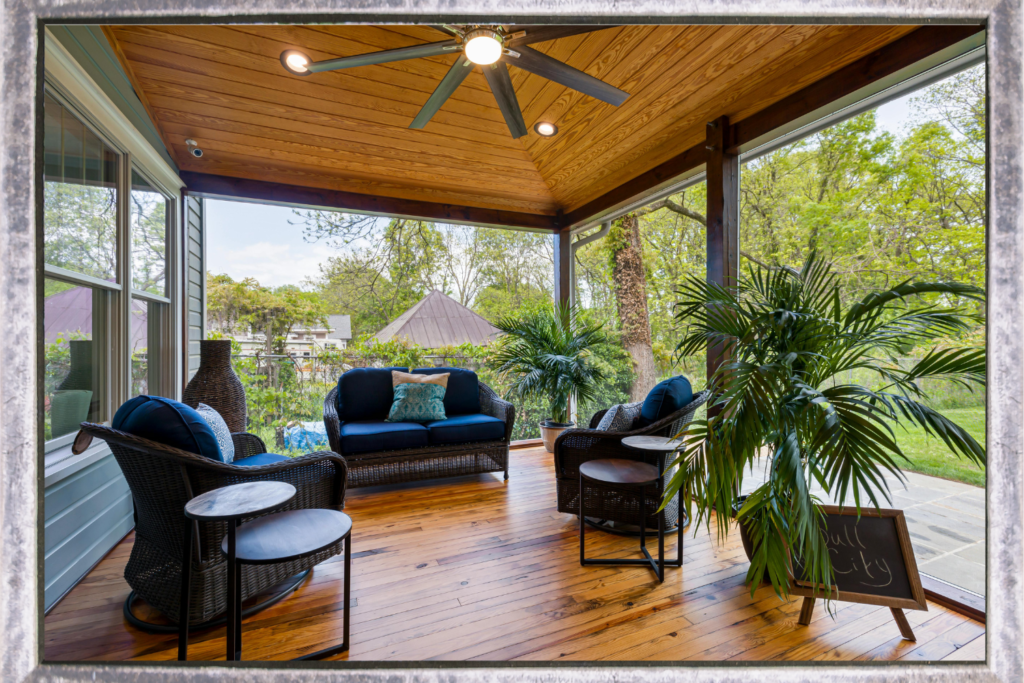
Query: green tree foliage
{"x": 245, "y": 305}
{"x": 383, "y": 266}
{"x": 881, "y": 207}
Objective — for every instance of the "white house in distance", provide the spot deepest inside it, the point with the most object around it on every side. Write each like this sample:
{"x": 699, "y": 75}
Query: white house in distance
{"x": 304, "y": 343}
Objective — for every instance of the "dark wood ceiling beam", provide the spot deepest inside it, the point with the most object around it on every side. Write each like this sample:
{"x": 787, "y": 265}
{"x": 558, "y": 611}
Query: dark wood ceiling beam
{"x": 885, "y": 61}
{"x": 215, "y": 186}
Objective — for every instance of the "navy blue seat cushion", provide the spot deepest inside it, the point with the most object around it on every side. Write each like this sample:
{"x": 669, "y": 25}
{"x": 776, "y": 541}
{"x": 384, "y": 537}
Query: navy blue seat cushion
{"x": 168, "y": 422}
{"x": 260, "y": 459}
{"x": 378, "y": 435}
{"x": 465, "y": 429}
{"x": 365, "y": 394}
{"x": 665, "y": 398}
{"x": 463, "y": 394}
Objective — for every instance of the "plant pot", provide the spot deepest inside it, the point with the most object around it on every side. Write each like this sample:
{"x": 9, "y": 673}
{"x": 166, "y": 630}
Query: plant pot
{"x": 216, "y": 384}
{"x": 748, "y": 542}
{"x": 549, "y": 431}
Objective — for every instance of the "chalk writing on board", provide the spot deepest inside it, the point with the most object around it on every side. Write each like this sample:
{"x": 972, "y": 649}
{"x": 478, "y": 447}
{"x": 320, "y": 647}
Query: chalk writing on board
{"x": 848, "y": 558}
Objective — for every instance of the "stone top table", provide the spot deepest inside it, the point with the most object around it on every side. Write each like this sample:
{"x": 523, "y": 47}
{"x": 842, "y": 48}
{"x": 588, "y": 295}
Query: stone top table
{"x": 240, "y": 500}
{"x": 661, "y": 444}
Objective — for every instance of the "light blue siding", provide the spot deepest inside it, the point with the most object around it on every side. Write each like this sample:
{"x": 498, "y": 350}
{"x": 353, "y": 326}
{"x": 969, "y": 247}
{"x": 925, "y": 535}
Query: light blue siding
{"x": 86, "y": 515}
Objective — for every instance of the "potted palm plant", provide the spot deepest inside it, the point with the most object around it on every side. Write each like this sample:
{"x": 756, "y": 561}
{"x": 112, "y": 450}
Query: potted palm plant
{"x": 786, "y": 392}
{"x": 544, "y": 354}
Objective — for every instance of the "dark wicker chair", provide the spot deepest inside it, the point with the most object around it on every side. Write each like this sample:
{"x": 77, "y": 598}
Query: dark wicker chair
{"x": 162, "y": 479}
{"x": 574, "y": 447}
{"x": 431, "y": 462}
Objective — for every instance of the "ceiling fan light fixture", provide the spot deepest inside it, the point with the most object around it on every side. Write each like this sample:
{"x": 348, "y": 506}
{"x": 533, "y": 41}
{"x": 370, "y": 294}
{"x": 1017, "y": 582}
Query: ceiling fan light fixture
{"x": 545, "y": 129}
{"x": 483, "y": 46}
{"x": 295, "y": 62}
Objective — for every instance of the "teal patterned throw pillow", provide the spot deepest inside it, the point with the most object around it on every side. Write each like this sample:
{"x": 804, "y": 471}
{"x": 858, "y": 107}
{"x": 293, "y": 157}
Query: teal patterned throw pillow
{"x": 417, "y": 403}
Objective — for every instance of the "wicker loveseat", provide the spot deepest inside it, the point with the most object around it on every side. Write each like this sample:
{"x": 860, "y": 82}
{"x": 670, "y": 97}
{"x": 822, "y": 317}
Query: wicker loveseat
{"x": 163, "y": 478}
{"x": 577, "y": 446}
{"x": 473, "y": 439}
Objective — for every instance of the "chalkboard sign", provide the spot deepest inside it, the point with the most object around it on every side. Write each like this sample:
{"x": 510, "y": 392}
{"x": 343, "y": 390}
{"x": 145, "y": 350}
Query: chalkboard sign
{"x": 872, "y": 562}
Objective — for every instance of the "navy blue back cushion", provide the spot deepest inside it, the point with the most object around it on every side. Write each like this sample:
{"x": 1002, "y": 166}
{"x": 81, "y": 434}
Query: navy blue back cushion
{"x": 665, "y": 398}
{"x": 167, "y": 422}
{"x": 463, "y": 394}
{"x": 365, "y": 394}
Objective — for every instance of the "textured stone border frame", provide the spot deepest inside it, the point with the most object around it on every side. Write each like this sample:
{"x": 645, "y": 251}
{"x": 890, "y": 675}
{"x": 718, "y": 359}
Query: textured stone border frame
{"x": 21, "y": 567}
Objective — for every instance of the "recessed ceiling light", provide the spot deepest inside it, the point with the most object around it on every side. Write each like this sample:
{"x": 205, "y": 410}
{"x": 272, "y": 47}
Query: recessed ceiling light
{"x": 546, "y": 129}
{"x": 296, "y": 62}
{"x": 483, "y": 46}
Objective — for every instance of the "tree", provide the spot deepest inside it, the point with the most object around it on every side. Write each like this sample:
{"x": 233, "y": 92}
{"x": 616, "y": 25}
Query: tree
{"x": 631, "y": 298}
{"x": 246, "y": 305}
{"x": 384, "y": 266}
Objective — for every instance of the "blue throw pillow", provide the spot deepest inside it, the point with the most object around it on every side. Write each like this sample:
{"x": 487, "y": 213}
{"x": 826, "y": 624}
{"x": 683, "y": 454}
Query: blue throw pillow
{"x": 417, "y": 403}
{"x": 167, "y": 422}
{"x": 665, "y": 398}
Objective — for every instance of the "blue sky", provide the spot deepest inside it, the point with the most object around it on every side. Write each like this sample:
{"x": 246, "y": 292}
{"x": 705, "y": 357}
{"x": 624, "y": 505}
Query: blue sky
{"x": 253, "y": 240}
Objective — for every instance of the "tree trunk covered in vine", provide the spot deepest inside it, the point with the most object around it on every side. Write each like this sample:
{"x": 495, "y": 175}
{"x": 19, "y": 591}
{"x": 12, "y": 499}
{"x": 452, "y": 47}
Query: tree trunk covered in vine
{"x": 630, "y": 283}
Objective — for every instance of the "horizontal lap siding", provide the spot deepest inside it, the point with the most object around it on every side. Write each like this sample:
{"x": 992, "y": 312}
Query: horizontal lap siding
{"x": 196, "y": 281}
{"x": 85, "y": 515}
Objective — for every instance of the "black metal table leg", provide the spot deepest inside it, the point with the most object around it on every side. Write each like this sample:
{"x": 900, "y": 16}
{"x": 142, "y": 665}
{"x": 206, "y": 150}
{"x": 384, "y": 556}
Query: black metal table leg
{"x": 583, "y": 527}
{"x": 338, "y": 649}
{"x": 238, "y": 604}
{"x": 186, "y": 587}
{"x": 233, "y": 596}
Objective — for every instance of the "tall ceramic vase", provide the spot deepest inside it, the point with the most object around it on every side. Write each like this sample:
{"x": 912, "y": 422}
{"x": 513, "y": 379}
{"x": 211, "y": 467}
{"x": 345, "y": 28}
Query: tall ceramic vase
{"x": 216, "y": 384}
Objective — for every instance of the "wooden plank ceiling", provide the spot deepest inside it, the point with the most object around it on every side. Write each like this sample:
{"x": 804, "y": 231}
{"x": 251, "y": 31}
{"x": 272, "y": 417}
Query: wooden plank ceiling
{"x": 348, "y": 130}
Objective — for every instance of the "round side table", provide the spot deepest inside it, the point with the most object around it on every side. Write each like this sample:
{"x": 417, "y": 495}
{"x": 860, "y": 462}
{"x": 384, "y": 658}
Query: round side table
{"x": 228, "y": 504}
{"x": 662, "y": 446}
{"x": 286, "y": 536}
{"x": 615, "y": 473}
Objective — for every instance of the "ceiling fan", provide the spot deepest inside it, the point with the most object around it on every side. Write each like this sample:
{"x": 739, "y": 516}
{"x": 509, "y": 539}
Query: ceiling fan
{"x": 490, "y": 47}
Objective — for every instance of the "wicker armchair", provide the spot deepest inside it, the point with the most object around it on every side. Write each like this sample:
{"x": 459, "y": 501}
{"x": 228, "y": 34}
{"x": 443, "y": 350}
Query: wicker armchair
{"x": 162, "y": 479}
{"x": 577, "y": 446}
{"x": 431, "y": 462}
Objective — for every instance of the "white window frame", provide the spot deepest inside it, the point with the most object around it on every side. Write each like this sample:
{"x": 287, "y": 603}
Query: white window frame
{"x": 76, "y": 90}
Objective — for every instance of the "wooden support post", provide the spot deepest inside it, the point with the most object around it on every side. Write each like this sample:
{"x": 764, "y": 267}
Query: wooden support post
{"x": 806, "y": 610}
{"x": 723, "y": 183}
{"x": 901, "y": 621}
{"x": 563, "y": 266}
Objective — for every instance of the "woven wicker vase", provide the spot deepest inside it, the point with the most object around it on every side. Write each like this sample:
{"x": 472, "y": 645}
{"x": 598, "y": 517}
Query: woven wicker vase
{"x": 216, "y": 384}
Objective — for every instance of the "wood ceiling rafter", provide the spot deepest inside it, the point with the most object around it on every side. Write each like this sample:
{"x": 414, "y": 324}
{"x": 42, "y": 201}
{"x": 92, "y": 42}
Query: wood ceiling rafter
{"x": 346, "y": 132}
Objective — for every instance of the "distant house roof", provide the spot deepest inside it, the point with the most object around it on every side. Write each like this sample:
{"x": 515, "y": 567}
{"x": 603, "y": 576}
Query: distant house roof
{"x": 71, "y": 311}
{"x": 438, "y": 320}
{"x": 341, "y": 326}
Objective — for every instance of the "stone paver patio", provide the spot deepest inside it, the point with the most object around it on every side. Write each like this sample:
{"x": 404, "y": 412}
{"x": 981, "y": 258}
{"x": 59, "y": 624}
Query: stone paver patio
{"x": 946, "y": 520}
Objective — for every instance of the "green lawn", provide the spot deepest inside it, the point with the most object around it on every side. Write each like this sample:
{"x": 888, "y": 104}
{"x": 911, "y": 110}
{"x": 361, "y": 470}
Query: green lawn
{"x": 929, "y": 455}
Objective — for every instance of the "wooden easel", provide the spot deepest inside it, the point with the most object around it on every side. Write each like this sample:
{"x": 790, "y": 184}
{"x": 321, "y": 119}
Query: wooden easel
{"x": 807, "y": 609}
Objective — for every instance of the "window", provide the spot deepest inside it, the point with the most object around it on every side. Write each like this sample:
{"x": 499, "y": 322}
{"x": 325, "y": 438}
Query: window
{"x": 107, "y": 304}
{"x": 80, "y": 200}
{"x": 150, "y": 311}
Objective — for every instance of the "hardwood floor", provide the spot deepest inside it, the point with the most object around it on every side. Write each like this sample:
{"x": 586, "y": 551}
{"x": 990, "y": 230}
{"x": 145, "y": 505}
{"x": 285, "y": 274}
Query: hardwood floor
{"x": 481, "y": 569}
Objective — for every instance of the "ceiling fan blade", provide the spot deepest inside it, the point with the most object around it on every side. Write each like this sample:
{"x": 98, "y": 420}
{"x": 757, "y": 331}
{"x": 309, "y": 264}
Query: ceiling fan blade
{"x": 550, "y": 68}
{"x": 541, "y": 33}
{"x": 501, "y": 85}
{"x": 460, "y": 69}
{"x": 445, "y": 47}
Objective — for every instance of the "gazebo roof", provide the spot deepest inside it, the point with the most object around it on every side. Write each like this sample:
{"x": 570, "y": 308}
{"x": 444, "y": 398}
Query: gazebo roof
{"x": 438, "y": 320}
{"x": 342, "y": 139}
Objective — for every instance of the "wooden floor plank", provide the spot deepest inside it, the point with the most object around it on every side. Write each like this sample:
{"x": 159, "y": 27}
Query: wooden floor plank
{"x": 477, "y": 568}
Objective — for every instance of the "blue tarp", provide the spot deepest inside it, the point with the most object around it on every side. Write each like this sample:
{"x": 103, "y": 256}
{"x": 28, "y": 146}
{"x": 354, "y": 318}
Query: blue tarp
{"x": 306, "y": 436}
